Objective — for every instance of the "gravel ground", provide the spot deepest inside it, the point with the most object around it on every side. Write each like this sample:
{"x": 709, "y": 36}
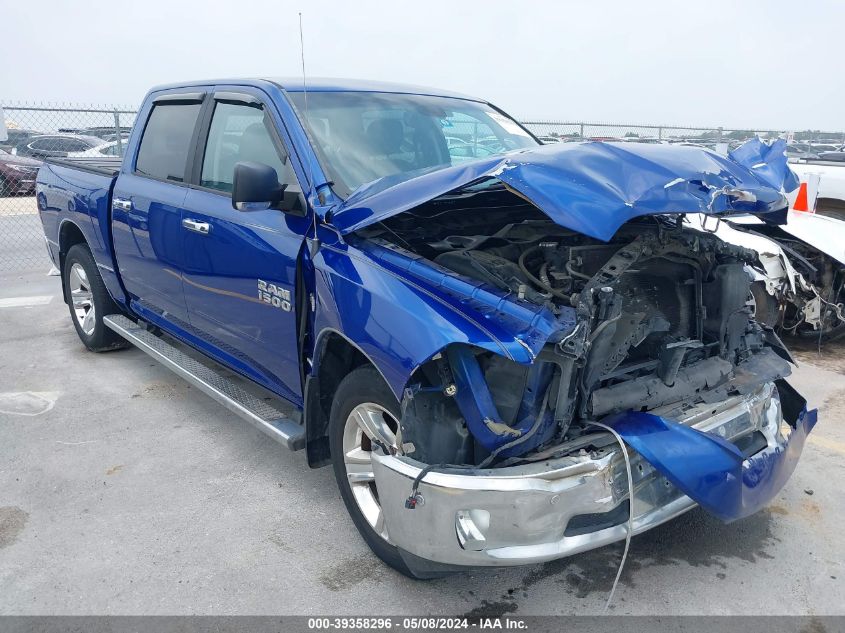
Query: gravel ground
{"x": 125, "y": 491}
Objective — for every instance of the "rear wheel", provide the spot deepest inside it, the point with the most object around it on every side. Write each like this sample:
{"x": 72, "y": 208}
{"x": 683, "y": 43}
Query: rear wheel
{"x": 89, "y": 301}
{"x": 365, "y": 415}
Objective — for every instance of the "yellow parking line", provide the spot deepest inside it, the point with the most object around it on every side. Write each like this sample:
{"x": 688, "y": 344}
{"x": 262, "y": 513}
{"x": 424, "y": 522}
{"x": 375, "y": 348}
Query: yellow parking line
{"x": 826, "y": 442}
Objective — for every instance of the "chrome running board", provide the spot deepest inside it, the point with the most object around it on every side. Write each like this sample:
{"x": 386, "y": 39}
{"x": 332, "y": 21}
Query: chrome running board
{"x": 261, "y": 415}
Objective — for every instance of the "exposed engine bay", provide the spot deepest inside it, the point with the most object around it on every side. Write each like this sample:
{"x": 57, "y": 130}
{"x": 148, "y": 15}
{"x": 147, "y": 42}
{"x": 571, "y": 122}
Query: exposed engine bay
{"x": 658, "y": 317}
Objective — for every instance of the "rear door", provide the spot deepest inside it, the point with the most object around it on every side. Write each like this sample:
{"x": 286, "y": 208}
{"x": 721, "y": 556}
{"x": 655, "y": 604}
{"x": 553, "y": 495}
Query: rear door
{"x": 240, "y": 267}
{"x": 147, "y": 206}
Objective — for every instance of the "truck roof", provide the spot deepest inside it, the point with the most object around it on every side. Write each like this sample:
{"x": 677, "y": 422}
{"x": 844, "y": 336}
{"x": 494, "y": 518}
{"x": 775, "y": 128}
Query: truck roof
{"x": 324, "y": 84}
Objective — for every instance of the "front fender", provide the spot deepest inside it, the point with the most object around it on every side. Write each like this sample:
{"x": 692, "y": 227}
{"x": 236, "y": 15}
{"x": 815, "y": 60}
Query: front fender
{"x": 400, "y": 310}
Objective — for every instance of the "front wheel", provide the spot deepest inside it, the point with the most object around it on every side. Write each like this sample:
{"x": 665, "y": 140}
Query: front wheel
{"x": 764, "y": 307}
{"x": 364, "y": 415}
{"x": 831, "y": 208}
{"x": 89, "y": 301}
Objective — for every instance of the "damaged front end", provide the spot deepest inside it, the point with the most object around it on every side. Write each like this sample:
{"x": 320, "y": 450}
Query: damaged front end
{"x": 500, "y": 462}
{"x": 805, "y": 273}
{"x": 799, "y": 282}
{"x": 657, "y": 316}
{"x": 572, "y": 501}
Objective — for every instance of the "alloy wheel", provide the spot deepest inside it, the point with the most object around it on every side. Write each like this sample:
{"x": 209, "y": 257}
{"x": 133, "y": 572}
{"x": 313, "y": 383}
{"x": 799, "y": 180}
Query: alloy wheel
{"x": 82, "y": 299}
{"x": 367, "y": 427}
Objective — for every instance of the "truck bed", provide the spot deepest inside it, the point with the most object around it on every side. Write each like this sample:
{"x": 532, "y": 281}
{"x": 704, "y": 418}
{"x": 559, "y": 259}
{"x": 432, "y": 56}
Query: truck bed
{"x": 107, "y": 165}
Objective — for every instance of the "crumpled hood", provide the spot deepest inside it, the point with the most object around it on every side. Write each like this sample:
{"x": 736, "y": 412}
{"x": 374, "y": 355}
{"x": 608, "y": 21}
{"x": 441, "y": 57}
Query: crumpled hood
{"x": 595, "y": 187}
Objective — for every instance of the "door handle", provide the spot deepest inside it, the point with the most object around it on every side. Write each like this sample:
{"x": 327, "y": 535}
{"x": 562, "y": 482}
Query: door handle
{"x": 122, "y": 203}
{"x": 203, "y": 228}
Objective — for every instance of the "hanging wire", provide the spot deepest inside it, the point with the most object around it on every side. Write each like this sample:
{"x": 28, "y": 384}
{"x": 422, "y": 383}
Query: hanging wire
{"x": 630, "y": 531}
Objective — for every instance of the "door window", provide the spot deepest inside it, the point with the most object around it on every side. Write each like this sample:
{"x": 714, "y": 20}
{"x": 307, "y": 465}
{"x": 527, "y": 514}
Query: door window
{"x": 167, "y": 138}
{"x": 239, "y": 133}
{"x": 43, "y": 144}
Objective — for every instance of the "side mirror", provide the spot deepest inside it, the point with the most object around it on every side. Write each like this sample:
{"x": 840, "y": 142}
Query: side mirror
{"x": 255, "y": 186}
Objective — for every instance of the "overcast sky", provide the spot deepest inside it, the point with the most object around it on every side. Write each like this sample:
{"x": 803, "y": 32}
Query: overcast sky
{"x": 743, "y": 63}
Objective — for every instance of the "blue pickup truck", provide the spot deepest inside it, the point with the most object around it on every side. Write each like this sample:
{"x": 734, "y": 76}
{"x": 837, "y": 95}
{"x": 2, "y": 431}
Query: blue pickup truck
{"x": 508, "y": 352}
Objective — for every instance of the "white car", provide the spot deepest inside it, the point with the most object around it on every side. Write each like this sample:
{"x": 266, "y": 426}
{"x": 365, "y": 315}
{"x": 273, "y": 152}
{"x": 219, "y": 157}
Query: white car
{"x": 799, "y": 285}
{"x": 112, "y": 148}
{"x": 831, "y": 186}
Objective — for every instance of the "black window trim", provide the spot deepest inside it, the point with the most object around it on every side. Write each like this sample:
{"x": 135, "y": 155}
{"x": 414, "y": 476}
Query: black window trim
{"x": 198, "y": 150}
{"x": 179, "y": 99}
{"x": 238, "y": 98}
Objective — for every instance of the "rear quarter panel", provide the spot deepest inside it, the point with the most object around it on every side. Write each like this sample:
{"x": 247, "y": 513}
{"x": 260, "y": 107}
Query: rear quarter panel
{"x": 83, "y": 199}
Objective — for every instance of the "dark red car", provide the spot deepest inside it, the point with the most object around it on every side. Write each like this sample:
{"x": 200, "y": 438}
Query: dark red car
{"x": 17, "y": 174}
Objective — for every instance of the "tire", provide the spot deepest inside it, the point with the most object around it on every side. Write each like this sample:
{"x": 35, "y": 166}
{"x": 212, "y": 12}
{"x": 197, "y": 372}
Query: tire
{"x": 363, "y": 387}
{"x": 86, "y": 294}
{"x": 765, "y": 306}
{"x": 831, "y": 208}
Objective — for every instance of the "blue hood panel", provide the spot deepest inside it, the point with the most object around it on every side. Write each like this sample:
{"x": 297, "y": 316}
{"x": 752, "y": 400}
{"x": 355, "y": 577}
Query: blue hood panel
{"x": 595, "y": 187}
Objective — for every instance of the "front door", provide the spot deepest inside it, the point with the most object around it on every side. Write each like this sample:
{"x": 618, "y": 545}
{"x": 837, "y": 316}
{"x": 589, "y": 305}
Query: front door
{"x": 240, "y": 267}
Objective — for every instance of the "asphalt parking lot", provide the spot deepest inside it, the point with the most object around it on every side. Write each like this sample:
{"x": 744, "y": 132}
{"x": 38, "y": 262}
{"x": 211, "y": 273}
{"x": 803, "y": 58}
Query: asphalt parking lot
{"x": 125, "y": 491}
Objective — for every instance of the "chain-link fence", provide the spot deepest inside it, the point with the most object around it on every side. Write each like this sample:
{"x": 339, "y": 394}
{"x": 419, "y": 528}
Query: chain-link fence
{"x": 34, "y": 133}
{"x": 558, "y": 131}
{"x": 37, "y": 132}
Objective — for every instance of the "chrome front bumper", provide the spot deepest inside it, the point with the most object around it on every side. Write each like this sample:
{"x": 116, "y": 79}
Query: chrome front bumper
{"x": 554, "y": 508}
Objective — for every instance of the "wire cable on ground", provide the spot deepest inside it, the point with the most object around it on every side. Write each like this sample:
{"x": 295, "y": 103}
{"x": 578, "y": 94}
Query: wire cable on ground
{"x": 413, "y": 499}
